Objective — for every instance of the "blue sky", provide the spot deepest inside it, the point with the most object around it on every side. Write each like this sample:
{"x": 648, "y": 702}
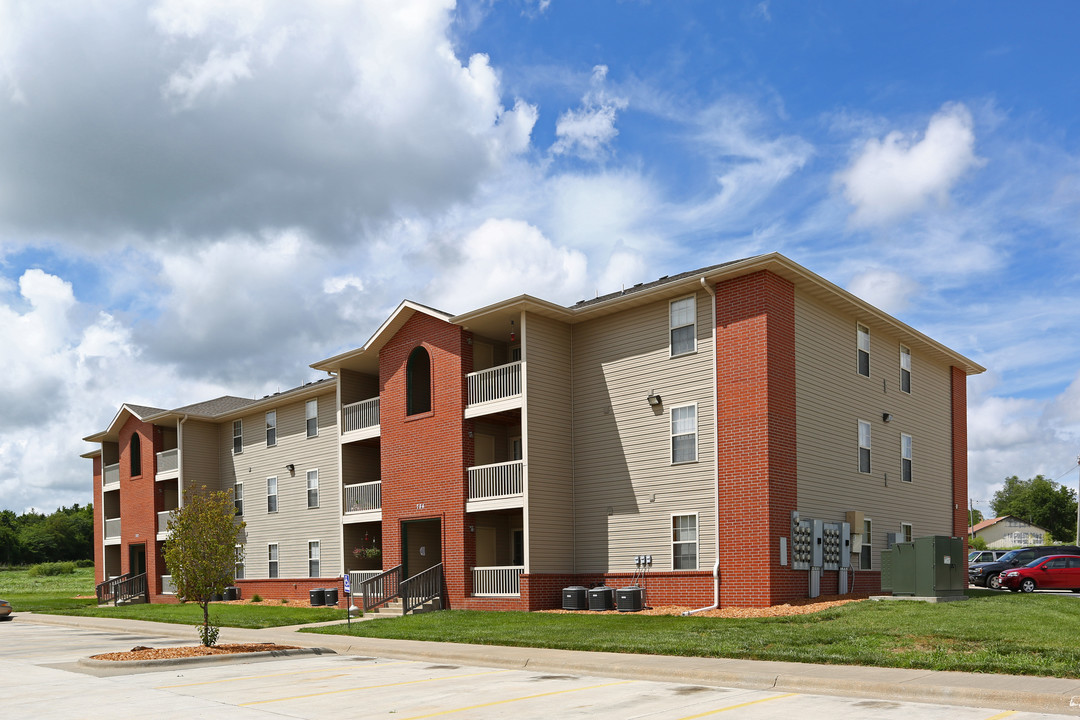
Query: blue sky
{"x": 200, "y": 198}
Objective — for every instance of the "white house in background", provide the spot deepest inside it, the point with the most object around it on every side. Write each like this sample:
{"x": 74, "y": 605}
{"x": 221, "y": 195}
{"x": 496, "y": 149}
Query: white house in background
{"x": 1008, "y": 531}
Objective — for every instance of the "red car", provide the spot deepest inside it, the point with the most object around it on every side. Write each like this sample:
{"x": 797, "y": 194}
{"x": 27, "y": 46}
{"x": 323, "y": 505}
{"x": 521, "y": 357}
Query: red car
{"x": 1053, "y": 572}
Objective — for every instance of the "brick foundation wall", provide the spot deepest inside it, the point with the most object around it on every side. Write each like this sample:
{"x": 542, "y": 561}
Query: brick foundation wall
{"x": 295, "y": 590}
{"x": 755, "y": 366}
{"x": 690, "y": 589}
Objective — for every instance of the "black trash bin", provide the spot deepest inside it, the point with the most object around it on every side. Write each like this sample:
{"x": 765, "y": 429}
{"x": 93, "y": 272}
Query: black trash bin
{"x": 318, "y": 596}
{"x": 573, "y": 598}
{"x": 330, "y": 596}
{"x": 602, "y": 598}
{"x": 216, "y": 597}
{"x": 232, "y": 593}
{"x": 629, "y": 599}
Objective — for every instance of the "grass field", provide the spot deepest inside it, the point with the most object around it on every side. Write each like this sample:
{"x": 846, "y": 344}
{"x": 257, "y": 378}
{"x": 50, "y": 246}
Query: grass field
{"x": 46, "y": 594}
{"x": 992, "y": 632}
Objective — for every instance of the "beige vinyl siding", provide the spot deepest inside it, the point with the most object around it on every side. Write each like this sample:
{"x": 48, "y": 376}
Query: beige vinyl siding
{"x": 622, "y": 445}
{"x": 294, "y": 524}
{"x": 199, "y": 456}
{"x": 549, "y": 480}
{"x": 831, "y": 397}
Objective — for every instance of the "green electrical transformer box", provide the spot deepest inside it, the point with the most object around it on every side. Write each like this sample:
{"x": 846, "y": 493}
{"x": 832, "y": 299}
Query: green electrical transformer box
{"x": 931, "y": 566}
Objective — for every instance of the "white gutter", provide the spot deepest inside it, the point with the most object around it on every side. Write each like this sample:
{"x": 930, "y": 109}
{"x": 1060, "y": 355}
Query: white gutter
{"x": 716, "y": 463}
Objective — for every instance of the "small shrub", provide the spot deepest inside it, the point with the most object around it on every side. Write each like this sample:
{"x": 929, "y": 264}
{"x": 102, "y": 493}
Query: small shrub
{"x": 84, "y": 563}
{"x": 208, "y": 634}
{"x": 284, "y": 601}
{"x": 977, "y": 543}
{"x": 256, "y": 598}
{"x": 51, "y": 568}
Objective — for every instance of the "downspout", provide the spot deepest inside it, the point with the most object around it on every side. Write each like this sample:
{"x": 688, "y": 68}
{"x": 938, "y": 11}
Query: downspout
{"x": 716, "y": 462}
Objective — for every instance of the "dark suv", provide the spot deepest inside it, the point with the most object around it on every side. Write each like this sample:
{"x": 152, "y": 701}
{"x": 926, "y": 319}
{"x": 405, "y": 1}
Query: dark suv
{"x": 986, "y": 574}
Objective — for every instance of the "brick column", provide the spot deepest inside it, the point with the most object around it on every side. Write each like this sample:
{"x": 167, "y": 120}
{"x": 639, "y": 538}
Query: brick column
{"x": 959, "y": 455}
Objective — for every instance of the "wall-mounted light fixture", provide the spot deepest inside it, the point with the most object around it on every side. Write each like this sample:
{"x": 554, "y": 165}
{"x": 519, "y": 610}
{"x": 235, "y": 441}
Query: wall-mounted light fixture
{"x": 655, "y": 400}
{"x": 291, "y": 468}
{"x": 886, "y": 417}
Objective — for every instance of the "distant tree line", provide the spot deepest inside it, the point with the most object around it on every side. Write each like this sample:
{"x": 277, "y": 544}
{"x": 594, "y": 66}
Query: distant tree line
{"x": 33, "y": 537}
{"x": 1041, "y": 502}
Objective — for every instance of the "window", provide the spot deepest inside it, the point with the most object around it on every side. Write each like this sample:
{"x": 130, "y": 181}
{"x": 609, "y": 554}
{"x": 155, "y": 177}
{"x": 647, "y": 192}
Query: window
{"x": 905, "y": 369}
{"x": 418, "y": 382}
{"x": 238, "y": 568}
{"x": 271, "y": 495}
{"x": 905, "y": 530}
{"x": 681, "y": 322}
{"x": 238, "y": 497}
{"x": 684, "y": 434}
{"x": 905, "y": 457}
{"x": 313, "y": 558}
{"x": 135, "y": 454}
{"x": 864, "y": 350}
{"x": 864, "y": 446}
{"x": 684, "y": 541}
{"x": 237, "y": 437}
{"x": 311, "y": 413}
{"x": 271, "y": 565}
{"x": 313, "y": 488}
{"x": 867, "y": 548}
{"x": 271, "y": 428}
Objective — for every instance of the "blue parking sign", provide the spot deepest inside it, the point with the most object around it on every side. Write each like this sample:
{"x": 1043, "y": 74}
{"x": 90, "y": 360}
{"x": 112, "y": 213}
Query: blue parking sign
{"x": 348, "y": 590}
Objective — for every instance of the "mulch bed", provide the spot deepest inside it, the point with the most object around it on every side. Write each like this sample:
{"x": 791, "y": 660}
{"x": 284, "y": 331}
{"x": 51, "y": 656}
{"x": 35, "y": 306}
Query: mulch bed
{"x": 798, "y": 607}
{"x": 148, "y": 653}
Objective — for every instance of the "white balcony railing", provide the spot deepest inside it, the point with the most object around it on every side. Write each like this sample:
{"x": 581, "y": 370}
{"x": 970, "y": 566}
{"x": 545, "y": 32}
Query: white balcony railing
{"x": 500, "y": 480}
{"x": 363, "y": 497}
{"x": 360, "y": 415}
{"x": 167, "y": 587}
{"x": 505, "y": 581}
{"x": 112, "y": 527}
{"x": 168, "y": 461}
{"x": 495, "y": 383}
{"x": 112, "y": 474}
{"x": 163, "y": 521}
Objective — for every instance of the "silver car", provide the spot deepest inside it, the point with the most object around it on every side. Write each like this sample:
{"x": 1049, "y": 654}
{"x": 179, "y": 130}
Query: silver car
{"x": 5, "y": 610}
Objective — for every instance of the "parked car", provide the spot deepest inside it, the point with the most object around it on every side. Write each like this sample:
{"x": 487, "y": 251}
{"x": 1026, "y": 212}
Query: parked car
{"x": 5, "y": 610}
{"x": 1053, "y": 572}
{"x": 987, "y": 574}
{"x": 979, "y": 556}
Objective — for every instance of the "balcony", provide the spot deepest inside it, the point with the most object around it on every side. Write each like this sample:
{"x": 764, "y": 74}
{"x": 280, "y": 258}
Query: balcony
{"x": 163, "y": 525}
{"x": 112, "y": 529}
{"x": 167, "y": 587}
{"x": 363, "y": 502}
{"x": 111, "y": 476}
{"x": 502, "y": 581}
{"x": 494, "y": 390}
{"x": 497, "y": 486}
{"x": 168, "y": 464}
{"x": 360, "y": 420}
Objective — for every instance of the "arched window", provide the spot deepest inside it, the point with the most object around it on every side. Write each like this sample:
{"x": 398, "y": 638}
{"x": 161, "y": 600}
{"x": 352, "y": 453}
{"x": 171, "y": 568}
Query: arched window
{"x": 135, "y": 452}
{"x": 418, "y": 382}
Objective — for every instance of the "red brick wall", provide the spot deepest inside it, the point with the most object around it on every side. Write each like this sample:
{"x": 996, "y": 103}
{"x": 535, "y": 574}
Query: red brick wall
{"x": 959, "y": 457}
{"x": 755, "y": 356}
{"x": 99, "y": 526}
{"x": 295, "y": 590}
{"x": 689, "y": 589}
{"x": 138, "y": 521}
{"x": 424, "y": 456}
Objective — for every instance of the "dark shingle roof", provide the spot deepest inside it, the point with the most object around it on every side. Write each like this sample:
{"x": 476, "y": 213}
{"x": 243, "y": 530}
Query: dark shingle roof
{"x": 217, "y": 406}
{"x": 645, "y": 286}
{"x": 143, "y": 411}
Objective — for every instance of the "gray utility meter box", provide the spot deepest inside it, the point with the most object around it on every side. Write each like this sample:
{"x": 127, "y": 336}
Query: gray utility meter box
{"x": 931, "y": 566}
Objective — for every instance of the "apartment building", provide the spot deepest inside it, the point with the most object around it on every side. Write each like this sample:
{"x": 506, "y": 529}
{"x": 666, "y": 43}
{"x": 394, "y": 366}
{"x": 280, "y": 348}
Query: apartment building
{"x": 679, "y": 430}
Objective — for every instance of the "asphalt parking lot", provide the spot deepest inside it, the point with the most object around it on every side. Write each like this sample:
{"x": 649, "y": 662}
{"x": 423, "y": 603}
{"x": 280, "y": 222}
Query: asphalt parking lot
{"x": 40, "y": 677}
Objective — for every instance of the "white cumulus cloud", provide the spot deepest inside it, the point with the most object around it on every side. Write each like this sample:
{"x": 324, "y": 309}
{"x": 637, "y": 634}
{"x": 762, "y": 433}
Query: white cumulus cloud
{"x": 588, "y": 131}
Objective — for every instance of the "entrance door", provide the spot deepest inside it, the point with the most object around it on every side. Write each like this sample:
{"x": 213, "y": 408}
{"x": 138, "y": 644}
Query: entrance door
{"x": 421, "y": 542}
{"x": 137, "y": 559}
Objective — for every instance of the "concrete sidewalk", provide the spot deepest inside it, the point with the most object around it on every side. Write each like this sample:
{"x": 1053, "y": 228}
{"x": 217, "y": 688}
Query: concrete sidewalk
{"x": 1033, "y": 694}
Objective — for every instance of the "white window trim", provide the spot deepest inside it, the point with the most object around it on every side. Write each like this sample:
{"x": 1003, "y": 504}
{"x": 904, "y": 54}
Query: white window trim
{"x": 270, "y": 427}
{"x": 318, "y": 546}
{"x": 696, "y": 541}
{"x": 238, "y": 497}
{"x": 859, "y": 328}
{"x": 671, "y": 328}
{"x": 308, "y": 418}
{"x": 238, "y": 425}
{"x": 910, "y": 451}
{"x": 869, "y": 449}
{"x": 867, "y": 545}
{"x": 273, "y": 561}
{"x": 905, "y": 352}
{"x": 275, "y": 495}
{"x": 318, "y": 496}
{"x": 671, "y": 434}
{"x": 909, "y": 534}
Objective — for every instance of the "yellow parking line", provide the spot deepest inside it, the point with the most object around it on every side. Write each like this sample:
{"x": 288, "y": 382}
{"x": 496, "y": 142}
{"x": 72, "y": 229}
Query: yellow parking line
{"x": 371, "y": 687}
{"x": 268, "y": 675}
{"x": 736, "y": 707}
{"x": 512, "y": 700}
{"x": 1000, "y": 715}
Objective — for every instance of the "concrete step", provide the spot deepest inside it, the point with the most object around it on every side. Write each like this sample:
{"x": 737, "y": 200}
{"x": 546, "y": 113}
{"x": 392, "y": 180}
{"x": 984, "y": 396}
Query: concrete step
{"x": 393, "y": 608}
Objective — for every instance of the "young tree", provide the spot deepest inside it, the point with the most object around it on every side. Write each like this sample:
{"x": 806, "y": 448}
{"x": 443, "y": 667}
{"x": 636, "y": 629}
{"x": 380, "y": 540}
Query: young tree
{"x": 201, "y": 552}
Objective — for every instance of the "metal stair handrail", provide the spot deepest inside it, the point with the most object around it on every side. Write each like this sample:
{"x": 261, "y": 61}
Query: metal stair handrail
{"x": 421, "y": 588}
{"x": 131, "y": 588}
{"x": 106, "y": 590}
{"x": 381, "y": 589}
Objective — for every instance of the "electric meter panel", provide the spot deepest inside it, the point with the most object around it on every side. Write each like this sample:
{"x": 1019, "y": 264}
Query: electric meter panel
{"x": 832, "y": 543}
{"x": 802, "y": 542}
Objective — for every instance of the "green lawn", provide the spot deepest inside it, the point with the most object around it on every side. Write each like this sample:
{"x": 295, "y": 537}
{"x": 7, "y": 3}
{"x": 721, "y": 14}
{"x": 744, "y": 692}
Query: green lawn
{"x": 992, "y": 632}
{"x": 46, "y": 594}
